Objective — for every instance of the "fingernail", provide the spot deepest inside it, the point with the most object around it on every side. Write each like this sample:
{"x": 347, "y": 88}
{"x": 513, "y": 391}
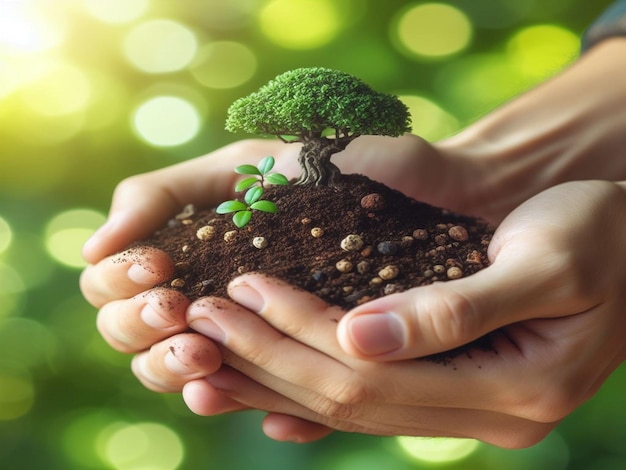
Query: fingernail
{"x": 152, "y": 318}
{"x": 208, "y": 328}
{"x": 140, "y": 275}
{"x": 377, "y": 333}
{"x": 247, "y": 297}
{"x": 175, "y": 365}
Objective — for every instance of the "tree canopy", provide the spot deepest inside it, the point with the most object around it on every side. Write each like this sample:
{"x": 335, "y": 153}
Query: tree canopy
{"x": 306, "y": 102}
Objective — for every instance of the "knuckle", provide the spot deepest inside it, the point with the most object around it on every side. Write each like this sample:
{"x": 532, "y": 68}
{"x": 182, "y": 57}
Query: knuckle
{"x": 452, "y": 318}
{"x": 342, "y": 402}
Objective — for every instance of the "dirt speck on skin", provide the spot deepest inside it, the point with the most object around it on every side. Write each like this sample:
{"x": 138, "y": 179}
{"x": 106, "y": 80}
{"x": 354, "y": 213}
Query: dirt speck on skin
{"x": 424, "y": 244}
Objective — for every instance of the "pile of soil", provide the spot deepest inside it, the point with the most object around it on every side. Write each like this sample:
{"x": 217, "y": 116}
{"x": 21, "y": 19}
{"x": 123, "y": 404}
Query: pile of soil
{"x": 349, "y": 243}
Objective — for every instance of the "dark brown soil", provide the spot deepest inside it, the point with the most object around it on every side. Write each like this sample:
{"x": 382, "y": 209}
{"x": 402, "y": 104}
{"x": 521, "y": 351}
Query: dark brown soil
{"x": 405, "y": 243}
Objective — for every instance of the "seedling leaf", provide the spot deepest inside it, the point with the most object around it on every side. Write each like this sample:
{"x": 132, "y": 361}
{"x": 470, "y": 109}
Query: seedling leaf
{"x": 242, "y": 218}
{"x": 247, "y": 170}
{"x": 266, "y": 164}
{"x": 245, "y": 183}
{"x": 230, "y": 206}
{"x": 277, "y": 178}
{"x": 264, "y": 206}
{"x": 253, "y": 195}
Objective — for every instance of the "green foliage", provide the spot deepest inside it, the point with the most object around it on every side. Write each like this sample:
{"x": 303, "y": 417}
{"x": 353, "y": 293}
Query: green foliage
{"x": 305, "y": 102}
{"x": 255, "y": 188}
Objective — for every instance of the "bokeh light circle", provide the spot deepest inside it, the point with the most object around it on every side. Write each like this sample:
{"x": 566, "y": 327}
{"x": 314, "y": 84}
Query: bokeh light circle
{"x": 305, "y": 24}
{"x": 429, "y": 120}
{"x": 166, "y": 121}
{"x": 542, "y": 50}
{"x": 224, "y": 64}
{"x": 17, "y": 396}
{"x": 12, "y": 290}
{"x": 67, "y": 232}
{"x": 60, "y": 89}
{"x": 432, "y": 30}
{"x": 6, "y": 235}
{"x": 160, "y": 46}
{"x": 144, "y": 445}
{"x": 117, "y": 11}
{"x": 437, "y": 450}
{"x": 26, "y": 27}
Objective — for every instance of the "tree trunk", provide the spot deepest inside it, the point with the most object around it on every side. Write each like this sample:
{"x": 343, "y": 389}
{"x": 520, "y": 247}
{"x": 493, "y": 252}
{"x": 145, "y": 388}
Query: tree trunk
{"x": 315, "y": 161}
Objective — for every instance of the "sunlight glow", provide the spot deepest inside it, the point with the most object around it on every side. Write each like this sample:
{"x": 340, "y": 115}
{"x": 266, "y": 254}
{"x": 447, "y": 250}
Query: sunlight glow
{"x": 429, "y": 120}
{"x": 25, "y": 29}
{"x": 160, "y": 46}
{"x": 6, "y": 234}
{"x": 167, "y": 121}
{"x": 68, "y": 231}
{"x": 542, "y": 50}
{"x": 117, "y": 11}
{"x": 224, "y": 64}
{"x": 432, "y": 30}
{"x": 439, "y": 449}
{"x": 17, "y": 396}
{"x": 143, "y": 445}
{"x": 305, "y": 24}
{"x": 58, "y": 90}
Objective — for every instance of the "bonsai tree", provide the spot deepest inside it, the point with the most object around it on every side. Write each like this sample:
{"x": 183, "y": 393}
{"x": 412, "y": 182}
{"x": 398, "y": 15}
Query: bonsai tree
{"x": 322, "y": 108}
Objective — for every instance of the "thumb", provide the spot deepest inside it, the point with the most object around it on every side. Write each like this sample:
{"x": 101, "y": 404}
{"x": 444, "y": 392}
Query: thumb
{"x": 442, "y": 316}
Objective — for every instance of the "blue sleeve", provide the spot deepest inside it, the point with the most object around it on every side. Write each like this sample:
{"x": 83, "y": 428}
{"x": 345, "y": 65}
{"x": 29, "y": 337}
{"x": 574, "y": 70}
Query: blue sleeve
{"x": 610, "y": 24}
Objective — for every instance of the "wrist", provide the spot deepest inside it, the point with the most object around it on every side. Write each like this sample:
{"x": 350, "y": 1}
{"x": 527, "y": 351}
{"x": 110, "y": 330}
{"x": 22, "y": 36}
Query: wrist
{"x": 569, "y": 128}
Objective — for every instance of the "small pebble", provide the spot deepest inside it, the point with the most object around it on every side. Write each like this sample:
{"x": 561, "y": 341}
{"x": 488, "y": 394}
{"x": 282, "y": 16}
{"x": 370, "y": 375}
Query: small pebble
{"x": 391, "y": 289}
{"x": 187, "y": 222}
{"x": 420, "y": 234}
{"x": 352, "y": 243}
{"x": 367, "y": 251}
{"x": 429, "y": 273}
{"x": 242, "y": 270}
{"x": 344, "y": 266}
{"x": 373, "y": 202}
{"x": 259, "y": 242}
{"x": 407, "y": 241}
{"x": 348, "y": 289}
{"x": 230, "y": 236}
{"x": 187, "y": 212}
{"x": 185, "y": 248}
{"x": 317, "y": 232}
{"x": 458, "y": 233}
{"x": 206, "y": 233}
{"x": 439, "y": 269}
{"x": 389, "y": 272}
{"x": 178, "y": 282}
{"x": 319, "y": 276}
{"x": 376, "y": 281}
{"x": 454, "y": 273}
{"x": 441, "y": 239}
{"x": 305, "y": 221}
{"x": 387, "y": 248}
{"x": 363, "y": 267}
{"x": 442, "y": 226}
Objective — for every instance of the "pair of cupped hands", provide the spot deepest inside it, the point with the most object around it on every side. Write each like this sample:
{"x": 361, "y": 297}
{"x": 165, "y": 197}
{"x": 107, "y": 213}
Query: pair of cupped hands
{"x": 547, "y": 169}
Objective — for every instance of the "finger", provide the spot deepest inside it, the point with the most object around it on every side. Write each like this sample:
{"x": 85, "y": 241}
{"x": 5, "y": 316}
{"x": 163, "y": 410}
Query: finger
{"x": 168, "y": 365}
{"x": 143, "y": 203}
{"x": 135, "y": 324}
{"x": 124, "y": 275}
{"x": 205, "y": 400}
{"x": 528, "y": 279}
{"x": 253, "y": 341}
{"x": 286, "y": 428}
{"x": 294, "y": 312}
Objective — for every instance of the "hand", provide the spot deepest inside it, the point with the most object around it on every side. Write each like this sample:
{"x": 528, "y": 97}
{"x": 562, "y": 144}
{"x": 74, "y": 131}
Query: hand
{"x": 552, "y": 297}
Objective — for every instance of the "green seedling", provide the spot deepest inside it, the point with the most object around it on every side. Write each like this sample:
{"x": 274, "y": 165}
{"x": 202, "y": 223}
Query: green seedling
{"x": 254, "y": 187}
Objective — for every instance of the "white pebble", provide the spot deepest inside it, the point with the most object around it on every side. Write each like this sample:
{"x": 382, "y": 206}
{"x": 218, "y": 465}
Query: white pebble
{"x": 259, "y": 242}
{"x": 352, "y": 243}
{"x": 206, "y": 233}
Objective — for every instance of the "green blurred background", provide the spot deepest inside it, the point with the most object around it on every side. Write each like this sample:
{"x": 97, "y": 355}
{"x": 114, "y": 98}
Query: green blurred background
{"x": 93, "y": 91}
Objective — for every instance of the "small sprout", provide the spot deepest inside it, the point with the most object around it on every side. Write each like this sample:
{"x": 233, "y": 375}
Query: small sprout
{"x": 254, "y": 186}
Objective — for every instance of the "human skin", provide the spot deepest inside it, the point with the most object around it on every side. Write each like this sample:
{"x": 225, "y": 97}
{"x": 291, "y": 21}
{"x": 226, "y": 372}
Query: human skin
{"x": 570, "y": 128}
